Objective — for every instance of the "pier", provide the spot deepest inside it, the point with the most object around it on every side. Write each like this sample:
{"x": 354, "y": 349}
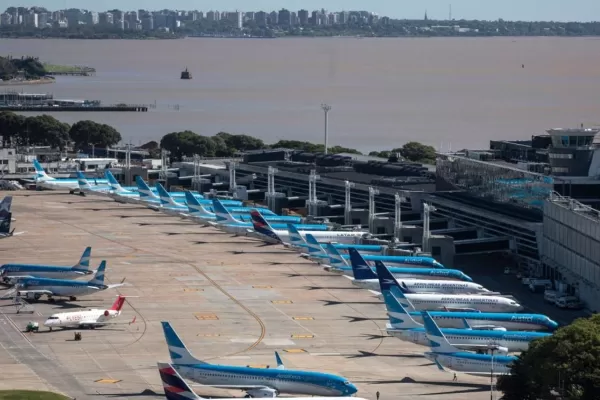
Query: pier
{"x": 46, "y": 109}
{"x": 72, "y": 73}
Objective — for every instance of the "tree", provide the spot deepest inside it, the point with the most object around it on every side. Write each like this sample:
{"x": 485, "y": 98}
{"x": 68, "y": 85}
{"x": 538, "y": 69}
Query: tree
{"x": 11, "y": 126}
{"x": 87, "y": 133}
{"x": 240, "y": 142}
{"x": 418, "y": 152}
{"x": 187, "y": 143}
{"x": 566, "y": 364}
{"x": 45, "y": 130}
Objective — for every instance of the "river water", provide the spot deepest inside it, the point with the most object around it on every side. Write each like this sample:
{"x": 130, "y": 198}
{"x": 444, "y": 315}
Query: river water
{"x": 452, "y": 93}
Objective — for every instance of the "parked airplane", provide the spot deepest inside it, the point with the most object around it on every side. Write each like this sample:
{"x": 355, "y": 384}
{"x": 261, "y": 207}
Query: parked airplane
{"x": 264, "y": 231}
{"x": 403, "y": 326}
{"x": 365, "y": 278}
{"x": 493, "y": 321}
{"x": 11, "y": 273}
{"x": 225, "y": 221}
{"x": 459, "y": 302}
{"x": 47, "y": 182}
{"x": 177, "y": 389}
{"x": 256, "y": 382}
{"x": 34, "y": 288}
{"x": 6, "y": 219}
{"x": 337, "y": 259}
{"x": 315, "y": 249}
{"x": 448, "y": 356}
{"x": 91, "y": 318}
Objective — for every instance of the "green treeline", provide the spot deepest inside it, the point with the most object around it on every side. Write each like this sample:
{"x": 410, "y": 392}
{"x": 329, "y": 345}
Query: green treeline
{"x": 565, "y": 365}
{"x": 45, "y": 130}
{"x": 30, "y": 67}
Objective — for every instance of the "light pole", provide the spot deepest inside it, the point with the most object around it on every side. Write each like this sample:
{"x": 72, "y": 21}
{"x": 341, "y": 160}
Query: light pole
{"x": 326, "y": 108}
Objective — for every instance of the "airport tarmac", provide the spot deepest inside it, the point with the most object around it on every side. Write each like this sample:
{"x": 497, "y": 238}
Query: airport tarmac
{"x": 231, "y": 299}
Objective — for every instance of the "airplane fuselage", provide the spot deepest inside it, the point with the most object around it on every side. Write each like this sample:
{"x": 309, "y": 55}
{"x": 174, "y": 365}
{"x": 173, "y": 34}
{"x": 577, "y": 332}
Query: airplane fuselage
{"x": 284, "y": 381}
{"x": 78, "y": 318}
{"x": 483, "y": 303}
{"x": 473, "y": 363}
{"x": 427, "y": 286}
{"x": 42, "y": 271}
{"x": 510, "y": 321}
{"x": 407, "y": 273}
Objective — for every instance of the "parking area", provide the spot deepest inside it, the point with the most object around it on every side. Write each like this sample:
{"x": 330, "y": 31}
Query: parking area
{"x": 233, "y": 300}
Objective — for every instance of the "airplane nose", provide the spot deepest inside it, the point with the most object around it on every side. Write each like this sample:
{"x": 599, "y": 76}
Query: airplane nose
{"x": 351, "y": 389}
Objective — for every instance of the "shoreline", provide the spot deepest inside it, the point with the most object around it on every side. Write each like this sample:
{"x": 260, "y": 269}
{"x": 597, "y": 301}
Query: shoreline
{"x": 42, "y": 81}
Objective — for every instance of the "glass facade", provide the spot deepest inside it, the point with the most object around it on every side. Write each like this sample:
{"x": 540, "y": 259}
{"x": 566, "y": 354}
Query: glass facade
{"x": 495, "y": 182}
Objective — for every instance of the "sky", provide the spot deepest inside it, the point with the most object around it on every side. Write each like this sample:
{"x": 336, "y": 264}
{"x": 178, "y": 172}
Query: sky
{"x": 529, "y": 10}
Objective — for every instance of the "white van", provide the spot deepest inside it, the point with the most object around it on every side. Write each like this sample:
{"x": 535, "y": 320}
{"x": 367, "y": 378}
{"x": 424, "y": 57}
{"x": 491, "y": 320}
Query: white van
{"x": 550, "y": 296}
{"x": 570, "y": 302}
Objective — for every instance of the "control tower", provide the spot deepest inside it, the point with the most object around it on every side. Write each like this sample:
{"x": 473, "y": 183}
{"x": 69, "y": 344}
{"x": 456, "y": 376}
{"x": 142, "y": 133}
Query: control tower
{"x": 573, "y": 152}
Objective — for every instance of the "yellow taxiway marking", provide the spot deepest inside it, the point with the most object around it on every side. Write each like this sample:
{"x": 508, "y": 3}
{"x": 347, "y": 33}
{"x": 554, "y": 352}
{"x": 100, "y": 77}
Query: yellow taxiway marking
{"x": 294, "y": 350}
{"x": 302, "y": 318}
{"x": 209, "y": 334}
{"x": 257, "y": 366}
{"x": 281, "y": 301}
{"x": 206, "y": 316}
{"x": 108, "y": 380}
{"x": 303, "y": 336}
{"x": 262, "y": 287}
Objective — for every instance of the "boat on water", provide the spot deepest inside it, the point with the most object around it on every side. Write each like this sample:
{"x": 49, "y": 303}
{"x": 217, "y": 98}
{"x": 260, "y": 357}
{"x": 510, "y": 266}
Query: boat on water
{"x": 186, "y": 74}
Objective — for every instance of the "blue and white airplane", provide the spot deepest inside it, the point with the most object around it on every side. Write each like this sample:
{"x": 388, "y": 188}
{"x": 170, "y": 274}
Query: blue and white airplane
{"x": 310, "y": 244}
{"x": 337, "y": 259}
{"x": 177, "y": 389}
{"x": 448, "y": 302}
{"x": 10, "y": 272}
{"x": 403, "y": 326}
{"x": 365, "y": 278}
{"x": 265, "y": 232}
{"x": 6, "y": 219}
{"x": 226, "y": 222}
{"x": 448, "y": 356}
{"x": 34, "y": 288}
{"x": 256, "y": 382}
{"x": 47, "y": 182}
{"x": 227, "y": 214}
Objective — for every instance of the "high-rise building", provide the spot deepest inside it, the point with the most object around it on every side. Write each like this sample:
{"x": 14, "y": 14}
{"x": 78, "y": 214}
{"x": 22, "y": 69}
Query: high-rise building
{"x": 105, "y": 18}
{"x": 92, "y": 18}
{"x": 303, "y": 17}
{"x": 43, "y": 20}
{"x": 160, "y": 21}
{"x": 31, "y": 20}
{"x": 210, "y": 16}
{"x": 284, "y": 17}
{"x": 344, "y": 17}
{"x": 261, "y": 18}
{"x": 316, "y": 17}
{"x": 273, "y": 18}
{"x": 5, "y": 19}
{"x": 293, "y": 18}
{"x": 239, "y": 19}
{"x": 148, "y": 23}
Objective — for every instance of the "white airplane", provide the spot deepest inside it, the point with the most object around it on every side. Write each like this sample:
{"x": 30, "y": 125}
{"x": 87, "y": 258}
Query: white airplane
{"x": 42, "y": 179}
{"x": 6, "y": 218}
{"x": 264, "y": 231}
{"x": 445, "y": 355}
{"x": 448, "y": 302}
{"x": 91, "y": 318}
{"x": 365, "y": 278}
{"x": 177, "y": 389}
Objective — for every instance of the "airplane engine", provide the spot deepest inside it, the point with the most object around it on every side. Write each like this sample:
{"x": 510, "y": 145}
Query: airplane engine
{"x": 261, "y": 393}
{"x": 106, "y": 313}
{"x": 498, "y": 350}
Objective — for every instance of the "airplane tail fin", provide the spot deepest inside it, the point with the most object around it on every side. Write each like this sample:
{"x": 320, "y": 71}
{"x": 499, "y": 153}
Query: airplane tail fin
{"x": 261, "y": 226}
{"x": 118, "y": 304}
{"x": 398, "y": 316}
{"x": 5, "y": 215}
{"x": 173, "y": 384}
{"x": 165, "y": 197}
{"x": 114, "y": 184}
{"x": 84, "y": 261}
{"x": 179, "y": 353}
{"x": 98, "y": 278}
{"x": 297, "y": 240}
{"x": 279, "y": 362}
{"x": 193, "y": 204}
{"x": 82, "y": 181}
{"x": 388, "y": 283}
{"x": 40, "y": 174}
{"x": 223, "y": 216}
{"x": 144, "y": 190}
{"x": 335, "y": 258}
{"x": 437, "y": 340}
{"x": 360, "y": 268}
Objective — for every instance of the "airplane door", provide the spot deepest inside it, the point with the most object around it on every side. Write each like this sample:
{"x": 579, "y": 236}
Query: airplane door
{"x": 415, "y": 337}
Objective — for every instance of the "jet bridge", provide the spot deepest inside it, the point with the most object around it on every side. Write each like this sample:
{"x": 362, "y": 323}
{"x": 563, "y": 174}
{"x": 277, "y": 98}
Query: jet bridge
{"x": 483, "y": 245}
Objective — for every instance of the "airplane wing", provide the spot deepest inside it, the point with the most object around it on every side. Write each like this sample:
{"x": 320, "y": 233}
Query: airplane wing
{"x": 475, "y": 347}
{"x": 48, "y": 292}
{"x": 116, "y": 284}
{"x": 96, "y": 323}
{"x": 239, "y": 387}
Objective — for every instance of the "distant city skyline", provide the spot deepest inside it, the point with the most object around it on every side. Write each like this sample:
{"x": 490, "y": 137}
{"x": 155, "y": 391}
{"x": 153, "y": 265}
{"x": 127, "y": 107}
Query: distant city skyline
{"x": 529, "y": 10}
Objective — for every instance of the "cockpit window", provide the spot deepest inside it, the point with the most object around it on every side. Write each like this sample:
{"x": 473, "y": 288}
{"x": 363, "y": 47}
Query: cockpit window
{"x": 346, "y": 383}
{"x": 513, "y": 303}
{"x": 52, "y": 317}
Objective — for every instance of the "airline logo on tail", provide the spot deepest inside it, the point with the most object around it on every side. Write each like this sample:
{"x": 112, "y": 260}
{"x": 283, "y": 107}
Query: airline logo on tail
{"x": 143, "y": 189}
{"x": 262, "y": 226}
{"x": 118, "y": 304}
{"x": 114, "y": 185}
{"x": 40, "y": 174}
{"x": 174, "y": 386}
{"x": 82, "y": 181}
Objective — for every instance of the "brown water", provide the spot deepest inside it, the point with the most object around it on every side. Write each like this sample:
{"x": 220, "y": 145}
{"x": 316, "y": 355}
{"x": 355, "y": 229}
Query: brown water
{"x": 458, "y": 92}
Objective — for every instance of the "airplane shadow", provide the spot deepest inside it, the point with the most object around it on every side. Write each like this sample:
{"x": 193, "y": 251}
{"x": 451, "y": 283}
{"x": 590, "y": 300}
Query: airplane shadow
{"x": 332, "y": 288}
{"x": 143, "y": 393}
{"x": 288, "y": 263}
{"x": 471, "y": 387}
{"x": 241, "y": 252}
{"x": 306, "y": 275}
{"x": 369, "y": 336}
{"x": 112, "y": 209}
{"x": 165, "y": 224}
{"x": 144, "y": 215}
{"x": 365, "y": 354}
{"x": 361, "y": 319}
{"x": 192, "y": 233}
{"x": 223, "y": 241}
{"x": 78, "y": 329}
{"x": 337, "y": 303}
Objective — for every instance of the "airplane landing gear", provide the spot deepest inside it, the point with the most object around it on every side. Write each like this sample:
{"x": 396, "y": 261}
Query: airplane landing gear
{"x": 72, "y": 298}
